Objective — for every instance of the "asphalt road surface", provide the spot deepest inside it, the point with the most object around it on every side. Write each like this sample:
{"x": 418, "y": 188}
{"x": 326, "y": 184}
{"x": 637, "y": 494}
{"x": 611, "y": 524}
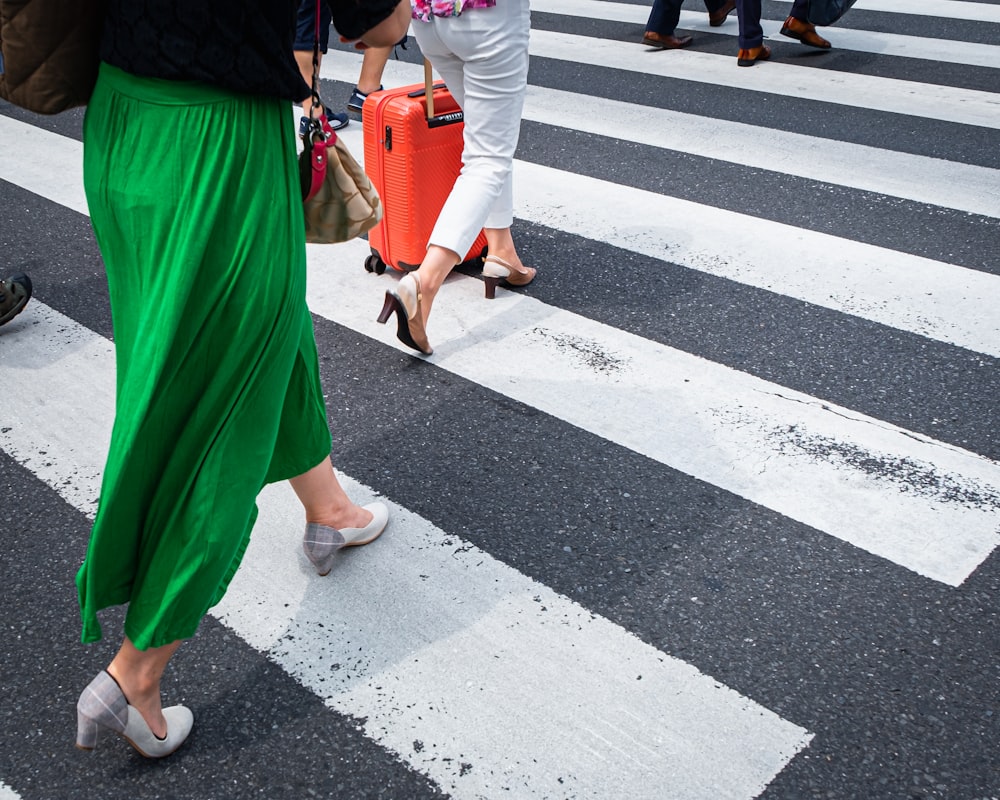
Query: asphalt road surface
{"x": 709, "y": 510}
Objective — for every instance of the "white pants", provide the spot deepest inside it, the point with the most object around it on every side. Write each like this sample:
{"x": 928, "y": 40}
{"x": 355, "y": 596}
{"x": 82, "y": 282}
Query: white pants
{"x": 482, "y": 55}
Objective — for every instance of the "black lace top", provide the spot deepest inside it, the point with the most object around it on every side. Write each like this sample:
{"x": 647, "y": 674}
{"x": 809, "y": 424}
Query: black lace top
{"x": 243, "y": 45}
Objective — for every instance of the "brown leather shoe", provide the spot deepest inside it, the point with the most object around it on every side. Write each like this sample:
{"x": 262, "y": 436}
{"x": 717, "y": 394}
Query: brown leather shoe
{"x": 805, "y": 32}
{"x": 662, "y": 42}
{"x": 747, "y": 58}
{"x": 716, "y": 18}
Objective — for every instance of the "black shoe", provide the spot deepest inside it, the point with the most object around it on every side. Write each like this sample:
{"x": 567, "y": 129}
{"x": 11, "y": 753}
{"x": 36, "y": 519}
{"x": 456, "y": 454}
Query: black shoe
{"x": 357, "y": 102}
{"x": 14, "y": 295}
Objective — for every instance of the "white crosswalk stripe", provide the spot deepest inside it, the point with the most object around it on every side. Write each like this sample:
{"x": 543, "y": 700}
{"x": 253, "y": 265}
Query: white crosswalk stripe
{"x": 6, "y": 793}
{"x": 633, "y": 12}
{"x": 941, "y": 301}
{"x": 474, "y": 673}
{"x": 962, "y": 106}
{"x": 947, "y": 9}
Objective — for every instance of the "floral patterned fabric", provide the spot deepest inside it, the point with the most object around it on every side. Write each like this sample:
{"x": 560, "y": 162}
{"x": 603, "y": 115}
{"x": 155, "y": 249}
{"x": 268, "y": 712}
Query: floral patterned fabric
{"x": 425, "y": 9}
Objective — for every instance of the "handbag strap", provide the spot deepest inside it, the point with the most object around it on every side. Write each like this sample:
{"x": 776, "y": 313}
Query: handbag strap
{"x": 315, "y": 66}
{"x": 318, "y": 128}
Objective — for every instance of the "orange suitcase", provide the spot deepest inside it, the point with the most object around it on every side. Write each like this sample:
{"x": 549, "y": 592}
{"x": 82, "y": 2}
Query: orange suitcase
{"x": 413, "y": 160}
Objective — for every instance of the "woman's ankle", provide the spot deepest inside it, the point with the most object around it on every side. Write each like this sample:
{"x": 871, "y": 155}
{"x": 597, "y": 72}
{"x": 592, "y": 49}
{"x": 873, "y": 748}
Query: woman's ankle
{"x": 347, "y": 516}
{"x": 137, "y": 689}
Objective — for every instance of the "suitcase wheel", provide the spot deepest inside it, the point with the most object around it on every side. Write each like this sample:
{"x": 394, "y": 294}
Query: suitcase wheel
{"x": 375, "y": 264}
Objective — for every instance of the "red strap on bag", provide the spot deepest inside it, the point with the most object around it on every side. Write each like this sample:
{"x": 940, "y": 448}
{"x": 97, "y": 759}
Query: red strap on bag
{"x": 318, "y": 143}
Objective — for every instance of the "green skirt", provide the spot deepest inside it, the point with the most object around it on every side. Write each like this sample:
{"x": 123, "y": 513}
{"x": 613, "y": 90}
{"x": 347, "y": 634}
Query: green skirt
{"x": 194, "y": 198}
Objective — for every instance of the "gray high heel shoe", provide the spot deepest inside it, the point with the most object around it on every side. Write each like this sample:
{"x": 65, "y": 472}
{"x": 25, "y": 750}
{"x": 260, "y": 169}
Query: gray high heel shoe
{"x": 321, "y": 542}
{"x": 103, "y": 705}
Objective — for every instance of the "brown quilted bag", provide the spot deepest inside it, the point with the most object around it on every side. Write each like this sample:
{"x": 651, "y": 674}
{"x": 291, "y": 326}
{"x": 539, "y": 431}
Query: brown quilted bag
{"x": 49, "y": 51}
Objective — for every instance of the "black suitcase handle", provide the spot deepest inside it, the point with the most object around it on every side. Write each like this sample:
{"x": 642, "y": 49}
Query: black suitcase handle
{"x": 437, "y": 120}
{"x": 422, "y": 92}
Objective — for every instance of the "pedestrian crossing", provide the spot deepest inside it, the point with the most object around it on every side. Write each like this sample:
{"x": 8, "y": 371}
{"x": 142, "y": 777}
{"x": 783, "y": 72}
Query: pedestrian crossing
{"x": 501, "y": 626}
{"x": 805, "y": 458}
{"x": 622, "y": 563}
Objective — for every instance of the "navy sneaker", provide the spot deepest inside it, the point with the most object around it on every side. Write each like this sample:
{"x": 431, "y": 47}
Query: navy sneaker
{"x": 337, "y": 121}
{"x": 357, "y": 101}
{"x": 14, "y": 295}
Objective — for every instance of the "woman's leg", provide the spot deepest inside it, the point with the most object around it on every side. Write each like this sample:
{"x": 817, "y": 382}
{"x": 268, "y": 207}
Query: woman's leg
{"x": 332, "y": 520}
{"x": 500, "y": 243}
{"x": 439, "y": 259}
{"x": 490, "y": 91}
{"x": 437, "y": 264}
{"x": 486, "y": 68}
{"x": 138, "y": 673}
{"x": 325, "y": 500}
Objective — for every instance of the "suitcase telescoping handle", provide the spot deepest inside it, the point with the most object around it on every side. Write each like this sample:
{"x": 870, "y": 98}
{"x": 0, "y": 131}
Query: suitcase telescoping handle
{"x": 429, "y": 89}
{"x": 435, "y": 120}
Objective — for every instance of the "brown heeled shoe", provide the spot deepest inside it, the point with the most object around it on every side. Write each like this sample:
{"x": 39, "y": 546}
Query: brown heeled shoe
{"x": 404, "y": 300}
{"x": 495, "y": 269}
{"x": 805, "y": 32}
{"x": 747, "y": 58}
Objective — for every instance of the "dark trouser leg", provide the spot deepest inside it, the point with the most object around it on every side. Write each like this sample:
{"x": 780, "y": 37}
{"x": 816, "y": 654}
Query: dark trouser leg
{"x": 664, "y": 16}
{"x": 800, "y": 10}
{"x": 751, "y": 33}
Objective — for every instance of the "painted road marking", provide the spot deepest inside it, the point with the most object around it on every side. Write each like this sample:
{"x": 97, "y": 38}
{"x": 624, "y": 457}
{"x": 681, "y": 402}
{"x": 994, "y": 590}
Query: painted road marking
{"x": 920, "y": 503}
{"x": 483, "y": 679}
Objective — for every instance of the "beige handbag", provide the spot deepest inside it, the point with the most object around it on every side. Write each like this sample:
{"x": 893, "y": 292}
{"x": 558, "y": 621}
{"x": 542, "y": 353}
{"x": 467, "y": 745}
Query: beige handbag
{"x": 340, "y": 202}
